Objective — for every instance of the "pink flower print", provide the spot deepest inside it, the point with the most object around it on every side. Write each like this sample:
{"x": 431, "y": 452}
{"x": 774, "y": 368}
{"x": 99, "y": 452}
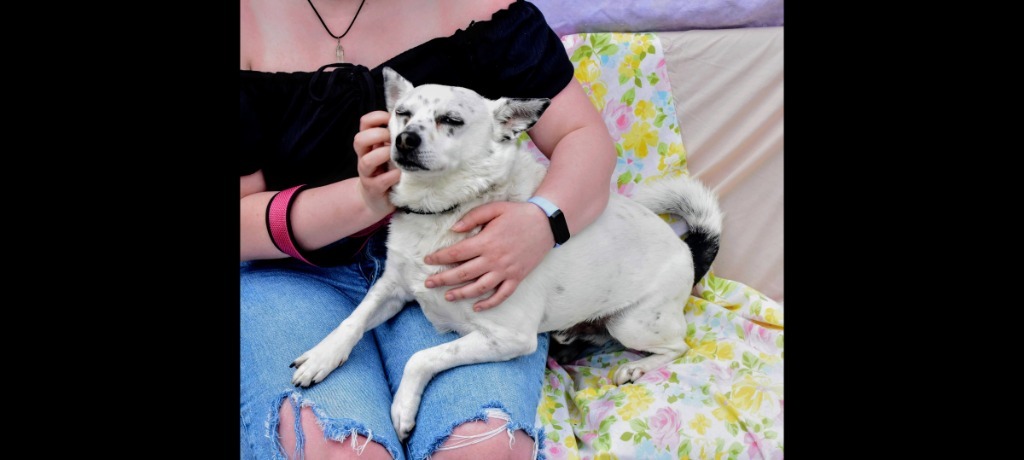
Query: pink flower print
{"x": 661, "y": 71}
{"x": 554, "y": 450}
{"x": 665, "y": 426}
{"x": 760, "y": 338}
{"x": 598, "y": 410}
{"x": 555, "y": 384}
{"x": 658, "y": 375}
{"x": 617, "y": 116}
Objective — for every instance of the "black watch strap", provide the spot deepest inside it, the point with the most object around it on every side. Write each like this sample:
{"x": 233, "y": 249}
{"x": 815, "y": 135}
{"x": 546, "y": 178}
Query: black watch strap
{"x": 559, "y": 228}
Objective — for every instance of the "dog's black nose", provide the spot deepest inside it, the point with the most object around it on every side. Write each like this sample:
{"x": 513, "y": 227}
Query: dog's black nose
{"x": 408, "y": 141}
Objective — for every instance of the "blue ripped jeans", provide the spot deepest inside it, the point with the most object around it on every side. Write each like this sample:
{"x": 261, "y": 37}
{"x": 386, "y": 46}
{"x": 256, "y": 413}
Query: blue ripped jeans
{"x": 288, "y": 307}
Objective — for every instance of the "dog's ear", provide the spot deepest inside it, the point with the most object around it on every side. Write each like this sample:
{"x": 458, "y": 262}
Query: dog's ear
{"x": 395, "y": 86}
{"x": 513, "y": 116}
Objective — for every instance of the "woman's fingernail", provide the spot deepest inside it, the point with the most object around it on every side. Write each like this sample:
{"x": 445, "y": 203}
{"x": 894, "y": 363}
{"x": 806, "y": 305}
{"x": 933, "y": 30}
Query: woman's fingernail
{"x": 430, "y": 283}
{"x": 449, "y": 297}
{"x": 458, "y": 225}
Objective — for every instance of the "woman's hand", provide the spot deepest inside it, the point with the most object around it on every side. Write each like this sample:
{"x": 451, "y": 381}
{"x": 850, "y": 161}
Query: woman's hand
{"x": 514, "y": 240}
{"x": 373, "y": 147}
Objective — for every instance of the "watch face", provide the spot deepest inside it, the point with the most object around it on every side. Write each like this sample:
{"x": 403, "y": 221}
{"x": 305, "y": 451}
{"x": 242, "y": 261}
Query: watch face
{"x": 558, "y": 227}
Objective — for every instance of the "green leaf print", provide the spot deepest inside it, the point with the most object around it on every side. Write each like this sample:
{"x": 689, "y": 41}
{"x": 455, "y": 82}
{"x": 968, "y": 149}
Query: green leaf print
{"x": 770, "y": 435}
{"x": 750, "y": 360}
{"x": 662, "y": 148}
{"x": 622, "y": 78}
{"x": 653, "y": 79}
{"x": 626, "y": 436}
{"x": 650, "y": 49}
{"x": 618, "y": 149}
{"x": 672, "y": 399}
{"x": 739, "y": 332}
{"x": 600, "y": 40}
{"x": 684, "y": 449}
{"x": 735, "y": 448}
{"x": 608, "y": 50}
{"x": 603, "y": 443}
{"x": 673, "y": 378}
{"x": 638, "y": 424}
{"x": 659, "y": 120}
{"x": 628, "y": 97}
{"x": 638, "y": 82}
{"x": 691, "y": 330}
{"x": 606, "y": 424}
{"x": 580, "y": 53}
{"x": 624, "y": 178}
{"x": 731, "y": 427}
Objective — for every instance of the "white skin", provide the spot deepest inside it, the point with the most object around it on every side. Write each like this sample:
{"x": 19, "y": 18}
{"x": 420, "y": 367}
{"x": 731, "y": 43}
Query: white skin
{"x": 279, "y": 36}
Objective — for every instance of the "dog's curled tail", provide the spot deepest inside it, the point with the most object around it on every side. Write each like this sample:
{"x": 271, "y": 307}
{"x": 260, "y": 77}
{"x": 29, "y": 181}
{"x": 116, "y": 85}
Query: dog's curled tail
{"x": 697, "y": 205}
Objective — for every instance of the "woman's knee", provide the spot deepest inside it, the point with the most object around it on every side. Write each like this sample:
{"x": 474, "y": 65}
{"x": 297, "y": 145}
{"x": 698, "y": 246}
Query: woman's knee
{"x": 485, "y": 439}
{"x": 315, "y": 445}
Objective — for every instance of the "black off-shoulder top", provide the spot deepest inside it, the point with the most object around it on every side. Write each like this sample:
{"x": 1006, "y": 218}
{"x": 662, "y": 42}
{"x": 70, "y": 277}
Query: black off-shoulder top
{"x": 298, "y": 126}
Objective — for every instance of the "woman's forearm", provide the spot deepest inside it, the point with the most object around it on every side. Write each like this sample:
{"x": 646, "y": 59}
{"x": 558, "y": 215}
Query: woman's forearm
{"x": 319, "y": 216}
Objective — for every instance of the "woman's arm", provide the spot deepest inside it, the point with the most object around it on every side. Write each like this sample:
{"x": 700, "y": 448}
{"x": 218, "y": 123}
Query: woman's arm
{"x": 323, "y": 215}
{"x": 573, "y": 135}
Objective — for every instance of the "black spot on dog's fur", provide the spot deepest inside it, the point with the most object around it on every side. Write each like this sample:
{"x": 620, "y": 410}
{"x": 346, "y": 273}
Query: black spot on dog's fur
{"x": 559, "y": 289}
{"x": 704, "y": 248}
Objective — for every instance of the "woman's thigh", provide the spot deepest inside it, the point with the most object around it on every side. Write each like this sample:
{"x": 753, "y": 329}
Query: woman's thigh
{"x": 286, "y": 308}
{"x": 464, "y": 393}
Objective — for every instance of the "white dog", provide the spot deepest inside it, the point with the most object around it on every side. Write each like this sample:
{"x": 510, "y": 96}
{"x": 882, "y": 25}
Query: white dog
{"x": 457, "y": 151}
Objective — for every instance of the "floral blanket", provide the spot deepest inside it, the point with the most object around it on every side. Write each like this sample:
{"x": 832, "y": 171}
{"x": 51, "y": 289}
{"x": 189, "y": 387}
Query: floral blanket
{"x": 724, "y": 398}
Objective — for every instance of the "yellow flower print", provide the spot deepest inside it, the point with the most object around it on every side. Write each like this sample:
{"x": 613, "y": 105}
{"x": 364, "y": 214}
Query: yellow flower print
{"x": 638, "y": 399}
{"x": 645, "y": 109}
{"x": 640, "y": 45}
{"x": 588, "y": 70}
{"x": 707, "y": 349}
{"x": 724, "y": 351}
{"x": 546, "y": 408}
{"x": 639, "y": 137}
{"x": 598, "y": 95}
{"x": 772, "y": 317}
{"x": 755, "y": 394}
{"x": 724, "y": 411}
{"x": 700, "y": 423}
{"x": 605, "y": 456}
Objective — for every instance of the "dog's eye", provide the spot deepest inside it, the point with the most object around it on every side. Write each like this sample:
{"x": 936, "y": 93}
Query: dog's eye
{"x": 450, "y": 120}
{"x": 403, "y": 112}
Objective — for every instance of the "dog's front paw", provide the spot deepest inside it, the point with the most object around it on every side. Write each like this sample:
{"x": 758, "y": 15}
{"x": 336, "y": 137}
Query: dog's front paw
{"x": 314, "y": 365}
{"x": 403, "y": 412}
{"x": 629, "y": 372}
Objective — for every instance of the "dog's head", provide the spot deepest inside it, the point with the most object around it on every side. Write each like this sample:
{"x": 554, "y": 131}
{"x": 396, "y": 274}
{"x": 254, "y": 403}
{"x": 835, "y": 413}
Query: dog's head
{"x": 435, "y": 128}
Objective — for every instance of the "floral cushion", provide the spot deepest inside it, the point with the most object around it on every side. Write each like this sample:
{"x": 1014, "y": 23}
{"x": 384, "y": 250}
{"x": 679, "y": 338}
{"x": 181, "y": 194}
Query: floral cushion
{"x": 724, "y": 397}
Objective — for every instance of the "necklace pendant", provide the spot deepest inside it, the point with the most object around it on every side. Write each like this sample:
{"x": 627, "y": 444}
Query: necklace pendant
{"x": 339, "y": 52}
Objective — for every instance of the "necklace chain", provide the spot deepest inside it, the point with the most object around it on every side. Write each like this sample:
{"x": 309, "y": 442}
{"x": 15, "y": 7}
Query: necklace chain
{"x": 339, "y": 52}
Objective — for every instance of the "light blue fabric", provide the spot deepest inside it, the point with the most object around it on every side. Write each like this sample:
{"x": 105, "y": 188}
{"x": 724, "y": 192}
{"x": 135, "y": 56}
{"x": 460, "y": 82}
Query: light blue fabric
{"x": 288, "y": 307}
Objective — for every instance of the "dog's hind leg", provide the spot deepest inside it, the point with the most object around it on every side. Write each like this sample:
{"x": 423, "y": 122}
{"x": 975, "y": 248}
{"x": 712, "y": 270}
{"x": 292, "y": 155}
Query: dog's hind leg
{"x": 384, "y": 300}
{"x": 475, "y": 347}
{"x": 655, "y": 327}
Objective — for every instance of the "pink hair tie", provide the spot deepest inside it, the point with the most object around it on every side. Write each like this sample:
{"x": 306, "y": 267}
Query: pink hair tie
{"x": 279, "y": 223}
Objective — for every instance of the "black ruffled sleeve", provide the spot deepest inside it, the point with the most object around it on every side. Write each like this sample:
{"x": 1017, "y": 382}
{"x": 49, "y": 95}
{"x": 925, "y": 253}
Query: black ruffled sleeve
{"x": 518, "y": 55}
{"x": 514, "y": 54}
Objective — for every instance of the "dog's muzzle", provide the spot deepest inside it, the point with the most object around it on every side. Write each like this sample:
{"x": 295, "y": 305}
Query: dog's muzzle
{"x": 406, "y": 145}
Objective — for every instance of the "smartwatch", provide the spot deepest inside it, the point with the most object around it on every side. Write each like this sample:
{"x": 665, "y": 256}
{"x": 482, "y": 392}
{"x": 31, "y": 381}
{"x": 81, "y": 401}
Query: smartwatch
{"x": 558, "y": 226}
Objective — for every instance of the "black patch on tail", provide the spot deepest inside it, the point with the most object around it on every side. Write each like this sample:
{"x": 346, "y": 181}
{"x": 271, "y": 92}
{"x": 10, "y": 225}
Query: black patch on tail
{"x": 704, "y": 248}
